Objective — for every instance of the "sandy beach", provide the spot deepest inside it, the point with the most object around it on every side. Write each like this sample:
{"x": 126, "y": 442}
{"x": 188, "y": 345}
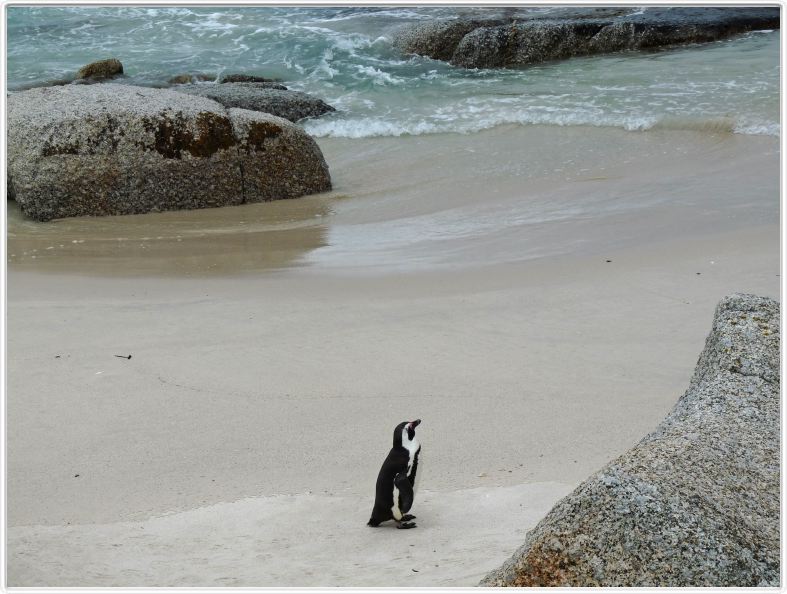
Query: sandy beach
{"x": 537, "y": 295}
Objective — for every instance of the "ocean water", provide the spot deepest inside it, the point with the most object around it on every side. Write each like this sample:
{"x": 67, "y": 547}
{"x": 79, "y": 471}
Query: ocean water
{"x": 344, "y": 56}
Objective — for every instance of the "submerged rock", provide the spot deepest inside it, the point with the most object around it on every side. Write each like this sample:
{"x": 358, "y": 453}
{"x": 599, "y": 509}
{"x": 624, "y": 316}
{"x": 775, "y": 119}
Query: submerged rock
{"x": 102, "y": 69}
{"x": 517, "y": 41}
{"x": 231, "y": 78}
{"x": 92, "y": 73}
{"x": 184, "y": 79}
{"x": 696, "y": 502}
{"x": 56, "y": 82}
{"x": 118, "y": 149}
{"x": 268, "y": 97}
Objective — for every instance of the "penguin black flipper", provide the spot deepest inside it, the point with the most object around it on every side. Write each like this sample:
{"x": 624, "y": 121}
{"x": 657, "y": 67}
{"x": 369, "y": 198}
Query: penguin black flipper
{"x": 403, "y": 495}
{"x": 395, "y": 463}
{"x": 406, "y": 495}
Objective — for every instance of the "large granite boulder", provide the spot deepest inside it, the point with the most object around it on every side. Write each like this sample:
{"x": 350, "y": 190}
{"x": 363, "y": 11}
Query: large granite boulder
{"x": 268, "y": 97}
{"x": 517, "y": 41}
{"x": 696, "y": 502}
{"x": 118, "y": 149}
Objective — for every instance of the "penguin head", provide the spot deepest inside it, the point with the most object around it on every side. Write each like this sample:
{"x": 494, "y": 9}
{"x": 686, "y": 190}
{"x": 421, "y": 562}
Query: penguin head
{"x": 404, "y": 434}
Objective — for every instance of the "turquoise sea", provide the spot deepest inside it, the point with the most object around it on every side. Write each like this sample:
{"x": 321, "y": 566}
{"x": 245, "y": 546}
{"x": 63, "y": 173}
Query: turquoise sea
{"x": 345, "y": 56}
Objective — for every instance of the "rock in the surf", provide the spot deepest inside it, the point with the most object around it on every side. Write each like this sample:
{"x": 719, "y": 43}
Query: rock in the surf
{"x": 268, "y": 97}
{"x": 100, "y": 70}
{"x": 233, "y": 78}
{"x": 438, "y": 39}
{"x": 118, "y": 149}
{"x": 696, "y": 502}
{"x": 184, "y": 79}
{"x": 518, "y": 41}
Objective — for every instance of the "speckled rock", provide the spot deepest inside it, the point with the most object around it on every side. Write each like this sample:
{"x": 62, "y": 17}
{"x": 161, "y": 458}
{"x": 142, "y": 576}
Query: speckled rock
{"x": 102, "y": 69}
{"x": 268, "y": 97}
{"x": 438, "y": 39}
{"x": 696, "y": 502}
{"x": 518, "y": 44}
{"x": 279, "y": 141}
{"x": 117, "y": 149}
{"x": 515, "y": 41}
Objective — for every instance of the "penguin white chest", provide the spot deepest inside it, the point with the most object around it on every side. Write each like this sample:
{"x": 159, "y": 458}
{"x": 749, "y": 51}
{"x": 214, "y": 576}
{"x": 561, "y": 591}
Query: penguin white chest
{"x": 414, "y": 464}
{"x": 397, "y": 513}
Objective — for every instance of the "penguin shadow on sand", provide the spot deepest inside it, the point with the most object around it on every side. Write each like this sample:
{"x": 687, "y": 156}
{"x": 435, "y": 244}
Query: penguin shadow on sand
{"x": 397, "y": 481}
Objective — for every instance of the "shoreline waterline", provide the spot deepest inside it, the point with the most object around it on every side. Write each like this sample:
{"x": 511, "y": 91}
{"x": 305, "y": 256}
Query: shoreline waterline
{"x": 435, "y": 202}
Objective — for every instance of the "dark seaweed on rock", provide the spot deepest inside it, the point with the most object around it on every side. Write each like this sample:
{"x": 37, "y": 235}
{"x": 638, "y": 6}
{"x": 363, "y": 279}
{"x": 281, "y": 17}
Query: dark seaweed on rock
{"x": 172, "y": 134}
{"x": 696, "y": 502}
{"x": 517, "y": 41}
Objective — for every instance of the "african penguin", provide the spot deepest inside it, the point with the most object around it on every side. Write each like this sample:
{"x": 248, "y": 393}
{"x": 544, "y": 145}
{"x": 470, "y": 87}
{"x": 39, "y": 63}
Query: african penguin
{"x": 397, "y": 480}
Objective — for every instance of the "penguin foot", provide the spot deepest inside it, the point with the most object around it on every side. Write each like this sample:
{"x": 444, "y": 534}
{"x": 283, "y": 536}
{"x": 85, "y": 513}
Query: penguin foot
{"x": 407, "y": 517}
{"x": 405, "y": 525}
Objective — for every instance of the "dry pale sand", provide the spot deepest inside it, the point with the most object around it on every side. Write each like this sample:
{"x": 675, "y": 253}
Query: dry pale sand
{"x": 443, "y": 279}
{"x": 258, "y": 541}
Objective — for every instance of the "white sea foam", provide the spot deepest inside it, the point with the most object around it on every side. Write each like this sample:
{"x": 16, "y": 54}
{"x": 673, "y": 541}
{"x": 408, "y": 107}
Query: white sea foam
{"x": 380, "y": 77}
{"x": 324, "y": 66}
{"x": 339, "y": 127}
{"x": 771, "y": 129}
{"x": 367, "y": 127}
{"x": 350, "y": 43}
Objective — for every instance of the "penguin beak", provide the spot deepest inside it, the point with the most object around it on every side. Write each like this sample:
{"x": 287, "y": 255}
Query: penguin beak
{"x": 414, "y": 424}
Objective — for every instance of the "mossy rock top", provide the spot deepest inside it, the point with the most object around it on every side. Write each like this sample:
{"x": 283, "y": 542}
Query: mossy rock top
{"x": 101, "y": 69}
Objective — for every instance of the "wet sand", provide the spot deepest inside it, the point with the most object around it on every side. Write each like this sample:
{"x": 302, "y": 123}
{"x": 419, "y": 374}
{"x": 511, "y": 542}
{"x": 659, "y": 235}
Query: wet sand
{"x": 540, "y": 322}
{"x": 444, "y": 201}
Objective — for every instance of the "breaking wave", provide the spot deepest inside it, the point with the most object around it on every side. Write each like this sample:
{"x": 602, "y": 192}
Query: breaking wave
{"x": 354, "y": 127}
